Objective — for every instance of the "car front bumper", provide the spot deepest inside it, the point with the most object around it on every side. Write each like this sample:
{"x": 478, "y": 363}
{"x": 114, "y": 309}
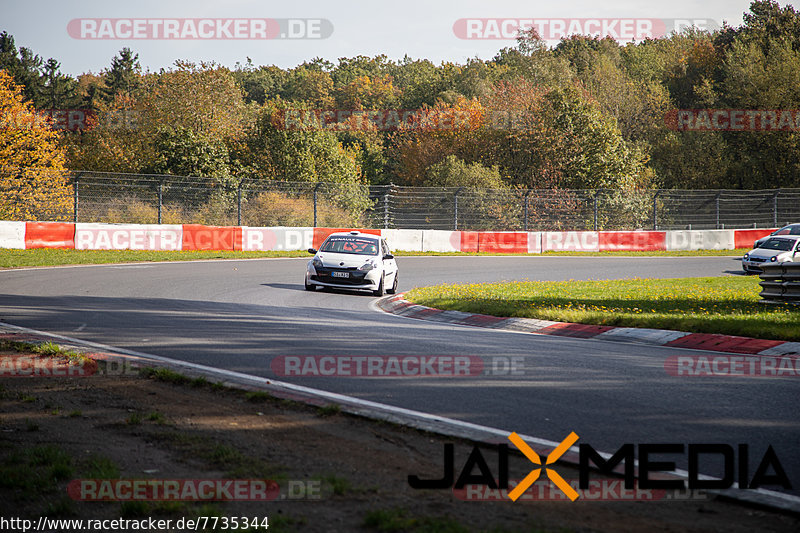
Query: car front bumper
{"x": 355, "y": 279}
{"x": 753, "y": 266}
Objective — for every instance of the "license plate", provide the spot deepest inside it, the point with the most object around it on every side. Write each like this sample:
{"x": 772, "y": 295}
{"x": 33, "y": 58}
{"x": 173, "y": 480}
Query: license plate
{"x": 341, "y": 274}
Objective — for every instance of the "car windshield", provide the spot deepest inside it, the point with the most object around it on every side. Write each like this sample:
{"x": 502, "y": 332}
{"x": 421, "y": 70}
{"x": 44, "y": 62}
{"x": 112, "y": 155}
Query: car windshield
{"x": 350, "y": 245}
{"x": 794, "y": 229}
{"x": 783, "y": 245}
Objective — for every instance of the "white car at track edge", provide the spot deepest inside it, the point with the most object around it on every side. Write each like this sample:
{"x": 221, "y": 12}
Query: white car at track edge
{"x": 778, "y": 249}
{"x": 353, "y": 260}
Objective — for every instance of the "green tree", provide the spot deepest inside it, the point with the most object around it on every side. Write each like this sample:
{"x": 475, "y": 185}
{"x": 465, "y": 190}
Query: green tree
{"x": 124, "y": 75}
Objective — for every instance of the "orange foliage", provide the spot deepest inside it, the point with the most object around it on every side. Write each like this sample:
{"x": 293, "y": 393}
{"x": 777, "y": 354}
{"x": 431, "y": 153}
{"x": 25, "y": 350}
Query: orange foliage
{"x": 33, "y": 182}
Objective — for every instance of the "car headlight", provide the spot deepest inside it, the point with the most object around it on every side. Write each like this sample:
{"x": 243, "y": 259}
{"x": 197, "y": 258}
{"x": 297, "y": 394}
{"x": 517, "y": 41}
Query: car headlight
{"x": 746, "y": 257}
{"x": 369, "y": 265}
{"x": 773, "y": 258}
{"x": 316, "y": 262}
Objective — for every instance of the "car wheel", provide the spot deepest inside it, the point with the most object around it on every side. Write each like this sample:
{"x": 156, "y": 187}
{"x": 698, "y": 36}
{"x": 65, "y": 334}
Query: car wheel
{"x": 310, "y": 287}
{"x": 379, "y": 290}
{"x": 394, "y": 285}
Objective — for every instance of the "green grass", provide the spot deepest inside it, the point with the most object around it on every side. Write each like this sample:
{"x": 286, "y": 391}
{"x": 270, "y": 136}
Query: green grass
{"x": 165, "y": 374}
{"x": 101, "y": 467}
{"x": 329, "y": 410}
{"x": 47, "y": 349}
{"x": 55, "y": 257}
{"x": 35, "y": 470}
{"x": 258, "y": 396}
{"x": 726, "y": 304}
{"x": 157, "y": 417}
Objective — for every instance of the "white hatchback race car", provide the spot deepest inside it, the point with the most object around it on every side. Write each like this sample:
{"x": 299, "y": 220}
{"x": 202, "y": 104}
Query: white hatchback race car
{"x": 353, "y": 260}
{"x": 778, "y": 249}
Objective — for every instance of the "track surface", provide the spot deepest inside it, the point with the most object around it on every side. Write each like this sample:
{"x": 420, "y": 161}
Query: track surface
{"x": 239, "y": 315}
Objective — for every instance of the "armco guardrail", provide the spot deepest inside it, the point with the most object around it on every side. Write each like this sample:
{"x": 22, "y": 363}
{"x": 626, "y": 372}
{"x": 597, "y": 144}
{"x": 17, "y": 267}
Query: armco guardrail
{"x": 96, "y": 236}
{"x": 780, "y": 282}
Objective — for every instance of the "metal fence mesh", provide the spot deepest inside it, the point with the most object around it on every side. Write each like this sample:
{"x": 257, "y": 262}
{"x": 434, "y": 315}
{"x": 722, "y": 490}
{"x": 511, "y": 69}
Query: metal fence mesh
{"x": 149, "y": 199}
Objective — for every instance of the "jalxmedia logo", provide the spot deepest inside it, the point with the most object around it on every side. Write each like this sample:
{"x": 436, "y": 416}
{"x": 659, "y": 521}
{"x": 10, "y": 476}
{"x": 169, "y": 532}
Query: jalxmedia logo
{"x": 533, "y": 457}
{"x": 646, "y": 470}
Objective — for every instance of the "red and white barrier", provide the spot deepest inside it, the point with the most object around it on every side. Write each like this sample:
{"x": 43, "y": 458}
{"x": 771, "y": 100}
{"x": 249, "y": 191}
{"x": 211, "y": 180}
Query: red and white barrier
{"x": 535, "y": 242}
{"x": 166, "y": 237}
{"x": 435, "y": 240}
{"x": 570, "y": 241}
{"x": 320, "y": 234}
{"x": 509, "y": 242}
{"x": 23, "y": 235}
{"x": 744, "y": 238}
{"x": 408, "y": 240}
{"x": 12, "y": 235}
{"x": 49, "y": 235}
{"x": 276, "y": 238}
{"x": 700, "y": 240}
{"x": 199, "y": 237}
{"x": 632, "y": 241}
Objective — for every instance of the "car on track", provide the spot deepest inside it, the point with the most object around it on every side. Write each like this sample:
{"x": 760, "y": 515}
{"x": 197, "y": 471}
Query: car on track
{"x": 778, "y": 249}
{"x": 353, "y": 260}
{"x": 790, "y": 229}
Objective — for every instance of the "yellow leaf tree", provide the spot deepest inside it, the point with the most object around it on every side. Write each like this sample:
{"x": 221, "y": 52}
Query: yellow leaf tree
{"x": 33, "y": 180}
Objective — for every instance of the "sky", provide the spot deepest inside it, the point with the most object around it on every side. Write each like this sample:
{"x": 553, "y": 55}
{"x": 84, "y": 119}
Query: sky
{"x": 84, "y": 35}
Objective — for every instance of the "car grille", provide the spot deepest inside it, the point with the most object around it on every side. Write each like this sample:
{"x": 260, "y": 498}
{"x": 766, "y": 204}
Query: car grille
{"x": 756, "y": 260}
{"x": 325, "y": 275}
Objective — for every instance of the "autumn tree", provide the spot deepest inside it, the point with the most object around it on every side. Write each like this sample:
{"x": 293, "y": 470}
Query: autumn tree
{"x": 33, "y": 182}
{"x": 433, "y": 134}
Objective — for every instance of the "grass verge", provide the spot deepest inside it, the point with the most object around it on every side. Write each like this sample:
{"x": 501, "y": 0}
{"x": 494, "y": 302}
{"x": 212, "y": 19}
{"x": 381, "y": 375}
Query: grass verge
{"x": 725, "y": 304}
{"x": 55, "y": 257}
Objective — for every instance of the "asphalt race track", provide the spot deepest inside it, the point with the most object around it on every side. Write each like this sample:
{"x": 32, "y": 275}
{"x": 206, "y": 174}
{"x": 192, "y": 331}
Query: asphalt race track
{"x": 239, "y": 315}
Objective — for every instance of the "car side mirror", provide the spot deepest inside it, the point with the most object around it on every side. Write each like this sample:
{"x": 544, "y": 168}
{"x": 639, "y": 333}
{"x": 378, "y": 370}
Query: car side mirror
{"x": 312, "y": 251}
{"x": 388, "y": 256}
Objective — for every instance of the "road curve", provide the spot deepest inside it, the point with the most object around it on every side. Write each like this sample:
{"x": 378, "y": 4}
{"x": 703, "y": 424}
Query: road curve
{"x": 240, "y": 315}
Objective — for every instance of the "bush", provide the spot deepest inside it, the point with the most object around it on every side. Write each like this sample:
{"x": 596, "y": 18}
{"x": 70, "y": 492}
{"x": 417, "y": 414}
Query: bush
{"x": 271, "y": 208}
{"x": 131, "y": 210}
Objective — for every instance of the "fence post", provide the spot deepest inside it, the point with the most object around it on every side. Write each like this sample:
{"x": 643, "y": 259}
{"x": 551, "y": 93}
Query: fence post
{"x": 386, "y": 206}
{"x": 239, "y": 203}
{"x": 75, "y": 199}
{"x": 655, "y": 210}
{"x": 596, "y": 197}
{"x": 526, "y": 208}
{"x": 716, "y": 199}
{"x": 455, "y": 211}
{"x": 775, "y": 209}
{"x": 160, "y": 198}
{"x": 316, "y": 187}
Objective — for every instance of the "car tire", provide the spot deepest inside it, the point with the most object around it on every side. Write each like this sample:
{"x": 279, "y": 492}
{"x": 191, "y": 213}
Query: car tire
{"x": 379, "y": 290}
{"x": 310, "y": 287}
{"x": 394, "y": 285}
